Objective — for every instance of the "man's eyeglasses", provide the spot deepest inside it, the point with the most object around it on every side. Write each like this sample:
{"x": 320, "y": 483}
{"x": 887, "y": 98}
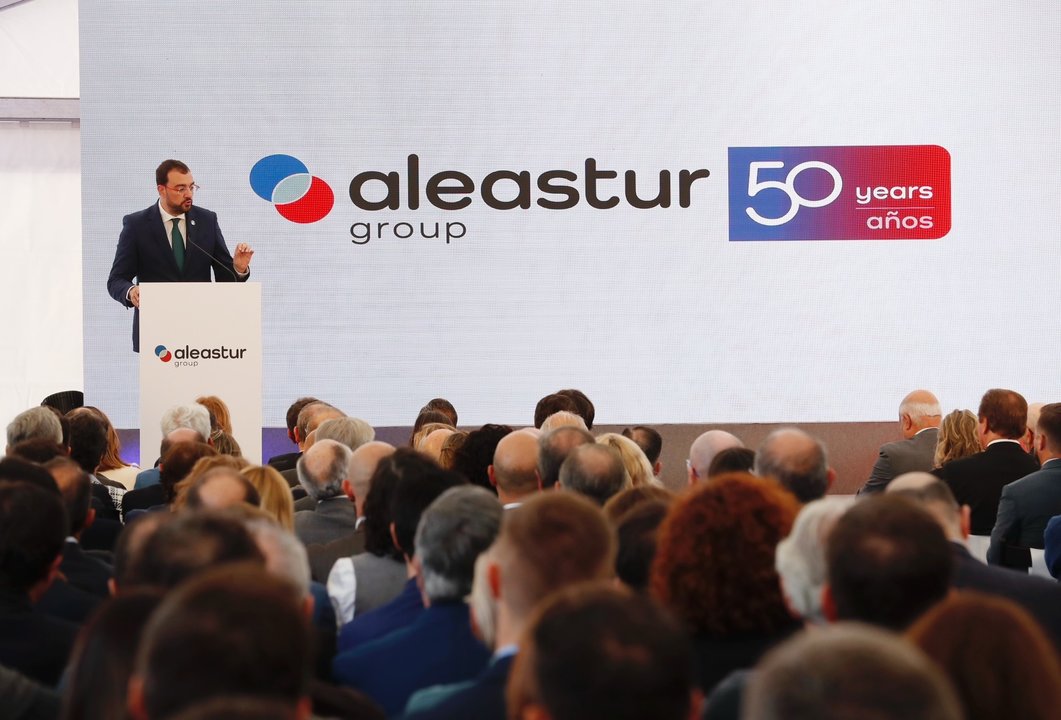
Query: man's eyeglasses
{"x": 184, "y": 189}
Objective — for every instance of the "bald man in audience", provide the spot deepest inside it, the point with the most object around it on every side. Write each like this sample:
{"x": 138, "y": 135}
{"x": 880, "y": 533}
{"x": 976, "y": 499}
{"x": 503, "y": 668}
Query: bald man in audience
{"x": 561, "y": 419}
{"x": 595, "y": 471}
{"x": 363, "y": 463}
{"x": 1040, "y": 597}
{"x": 514, "y": 472}
{"x": 919, "y": 419}
{"x": 323, "y": 470}
{"x": 798, "y": 461}
{"x": 704, "y": 449}
{"x": 432, "y": 444}
{"x": 553, "y": 449}
{"x": 222, "y": 488}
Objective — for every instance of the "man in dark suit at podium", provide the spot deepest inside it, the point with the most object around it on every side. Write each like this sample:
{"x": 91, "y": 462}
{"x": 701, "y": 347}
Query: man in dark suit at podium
{"x": 172, "y": 241}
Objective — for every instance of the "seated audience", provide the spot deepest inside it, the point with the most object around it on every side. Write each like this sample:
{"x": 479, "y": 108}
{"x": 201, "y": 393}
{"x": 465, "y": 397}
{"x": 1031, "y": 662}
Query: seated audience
{"x": 447, "y": 454}
{"x": 846, "y": 672}
{"x": 561, "y": 419}
{"x": 323, "y": 470}
{"x": 286, "y": 461}
{"x": 433, "y": 437}
{"x": 734, "y": 459}
{"x": 33, "y": 424}
{"x": 476, "y": 453}
{"x": 149, "y": 477}
{"x": 428, "y": 417}
{"x": 227, "y": 445}
{"x": 594, "y": 652}
{"x": 514, "y": 470}
{"x": 220, "y": 488}
{"x": 796, "y": 460}
{"x": 182, "y": 490}
{"x": 650, "y": 442}
{"x": 220, "y": 418}
{"x": 88, "y": 443}
{"x": 704, "y": 449}
{"x": 714, "y": 568}
{"x": 112, "y": 467}
{"x": 552, "y": 404}
{"x": 553, "y": 449}
{"x": 919, "y": 418}
{"x": 348, "y": 431}
{"x": 443, "y": 406}
{"x": 637, "y": 531}
{"x": 438, "y": 647}
{"x": 274, "y": 494}
{"x": 637, "y": 465}
{"x": 995, "y": 655}
{"x": 80, "y": 569}
{"x": 178, "y": 459}
{"x": 625, "y": 501}
{"x": 585, "y": 406}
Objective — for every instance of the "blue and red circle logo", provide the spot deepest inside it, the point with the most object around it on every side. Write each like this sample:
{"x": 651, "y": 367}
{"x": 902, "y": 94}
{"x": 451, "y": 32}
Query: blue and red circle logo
{"x": 286, "y": 182}
{"x": 163, "y": 354}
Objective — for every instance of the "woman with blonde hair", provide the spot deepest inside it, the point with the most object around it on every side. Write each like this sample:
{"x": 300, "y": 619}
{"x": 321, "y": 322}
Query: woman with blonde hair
{"x": 274, "y": 492}
{"x": 958, "y": 437}
{"x": 634, "y": 459}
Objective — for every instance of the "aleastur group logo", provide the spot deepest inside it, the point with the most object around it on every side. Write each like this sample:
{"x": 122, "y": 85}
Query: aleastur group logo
{"x": 286, "y": 182}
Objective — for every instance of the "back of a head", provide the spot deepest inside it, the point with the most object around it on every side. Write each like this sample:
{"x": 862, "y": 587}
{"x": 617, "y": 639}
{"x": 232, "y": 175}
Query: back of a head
{"x": 285, "y": 555}
{"x": 76, "y": 488}
{"x": 922, "y": 407}
{"x": 550, "y": 542}
{"x": 232, "y": 631}
{"x": 38, "y": 450}
{"x": 595, "y": 471}
{"x": 563, "y": 418}
{"x": 221, "y": 488}
{"x": 476, "y": 453}
{"x": 848, "y": 672}
{"x": 1005, "y": 413}
{"x": 629, "y": 498}
{"x": 178, "y": 461}
{"x": 553, "y": 449}
{"x": 348, "y": 431}
{"x": 454, "y": 530}
{"x": 637, "y": 531}
{"x": 734, "y": 459}
{"x": 888, "y": 562}
{"x": 933, "y": 495}
{"x": 191, "y": 544}
{"x": 293, "y": 410}
{"x": 1023, "y": 676}
{"x": 37, "y": 422}
{"x": 443, "y": 406}
{"x": 313, "y": 415}
{"x": 706, "y": 446}
{"x": 33, "y": 527}
{"x": 638, "y": 468}
{"x": 554, "y": 403}
{"x": 420, "y": 482}
{"x": 323, "y": 468}
{"x": 597, "y": 652}
{"x": 796, "y": 460}
{"x": 958, "y": 437}
{"x": 129, "y": 549}
{"x": 800, "y": 558}
{"x": 648, "y": 439}
{"x": 221, "y": 418}
{"x": 714, "y": 564}
{"x": 515, "y": 464}
{"x": 88, "y": 438}
{"x": 194, "y": 417}
{"x": 585, "y": 406}
{"x": 1049, "y": 427}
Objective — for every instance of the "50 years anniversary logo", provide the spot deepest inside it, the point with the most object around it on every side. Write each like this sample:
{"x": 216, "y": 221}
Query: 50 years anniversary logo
{"x": 880, "y": 192}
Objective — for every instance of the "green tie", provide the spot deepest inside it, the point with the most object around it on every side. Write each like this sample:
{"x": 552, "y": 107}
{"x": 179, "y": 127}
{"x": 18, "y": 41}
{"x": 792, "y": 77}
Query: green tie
{"x": 178, "y": 245}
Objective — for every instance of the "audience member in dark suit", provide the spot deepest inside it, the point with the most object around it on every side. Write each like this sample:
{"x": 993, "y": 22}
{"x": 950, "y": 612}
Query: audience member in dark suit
{"x": 1028, "y": 504}
{"x": 32, "y": 531}
{"x": 80, "y": 569}
{"x": 439, "y": 646}
{"x": 1039, "y": 596}
{"x": 551, "y": 541}
{"x": 977, "y": 480}
{"x": 596, "y": 652}
{"x": 287, "y": 461}
{"x": 919, "y": 419}
{"x": 714, "y": 568}
{"x": 404, "y": 484}
{"x": 322, "y": 471}
{"x": 178, "y": 460}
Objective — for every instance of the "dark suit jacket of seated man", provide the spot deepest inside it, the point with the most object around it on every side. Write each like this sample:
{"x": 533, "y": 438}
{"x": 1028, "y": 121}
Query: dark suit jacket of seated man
{"x": 144, "y": 250}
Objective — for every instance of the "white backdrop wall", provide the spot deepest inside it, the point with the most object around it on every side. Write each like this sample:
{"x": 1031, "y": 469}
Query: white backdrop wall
{"x": 40, "y": 210}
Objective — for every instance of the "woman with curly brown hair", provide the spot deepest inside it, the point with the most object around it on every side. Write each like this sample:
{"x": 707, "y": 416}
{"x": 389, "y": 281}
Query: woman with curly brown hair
{"x": 714, "y": 568}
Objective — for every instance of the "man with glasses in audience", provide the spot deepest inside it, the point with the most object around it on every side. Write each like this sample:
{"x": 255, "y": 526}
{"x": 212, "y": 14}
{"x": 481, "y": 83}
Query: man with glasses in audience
{"x": 172, "y": 241}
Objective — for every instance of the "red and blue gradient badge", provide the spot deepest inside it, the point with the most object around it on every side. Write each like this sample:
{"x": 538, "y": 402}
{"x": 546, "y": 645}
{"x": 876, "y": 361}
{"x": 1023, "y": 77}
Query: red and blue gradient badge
{"x": 870, "y": 192}
{"x": 163, "y": 354}
{"x": 286, "y": 182}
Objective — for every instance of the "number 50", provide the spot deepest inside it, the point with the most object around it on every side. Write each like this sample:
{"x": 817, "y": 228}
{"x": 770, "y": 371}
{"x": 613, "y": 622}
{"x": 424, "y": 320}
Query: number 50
{"x": 789, "y": 188}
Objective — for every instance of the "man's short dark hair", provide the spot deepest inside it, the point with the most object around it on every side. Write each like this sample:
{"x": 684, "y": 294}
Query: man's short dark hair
{"x": 648, "y": 439}
{"x": 594, "y": 470}
{"x": 554, "y": 448}
{"x": 420, "y": 482}
{"x": 555, "y": 403}
{"x": 38, "y": 450}
{"x": 294, "y": 410}
{"x": 191, "y": 544}
{"x": 888, "y": 561}
{"x": 596, "y": 651}
{"x": 585, "y": 406}
{"x": 76, "y": 490}
{"x": 163, "y": 170}
{"x": 88, "y": 439}
{"x": 795, "y": 459}
{"x": 476, "y": 454}
{"x": 13, "y": 469}
{"x": 734, "y": 459}
{"x": 32, "y": 532}
{"x": 231, "y": 631}
{"x": 1049, "y": 426}
{"x": 177, "y": 461}
{"x": 637, "y": 530}
{"x": 1006, "y": 413}
{"x": 129, "y": 549}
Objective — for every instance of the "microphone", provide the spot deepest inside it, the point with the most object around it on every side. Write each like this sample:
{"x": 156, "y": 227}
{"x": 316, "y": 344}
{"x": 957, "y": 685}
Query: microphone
{"x": 210, "y": 255}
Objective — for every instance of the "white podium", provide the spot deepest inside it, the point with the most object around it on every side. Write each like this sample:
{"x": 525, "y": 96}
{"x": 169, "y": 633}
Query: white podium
{"x": 201, "y": 339}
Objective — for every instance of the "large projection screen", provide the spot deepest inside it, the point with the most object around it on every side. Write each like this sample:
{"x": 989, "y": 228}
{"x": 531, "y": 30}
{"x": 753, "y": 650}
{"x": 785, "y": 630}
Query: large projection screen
{"x": 658, "y": 313}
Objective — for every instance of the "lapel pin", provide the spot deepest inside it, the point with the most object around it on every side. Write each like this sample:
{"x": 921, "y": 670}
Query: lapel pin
{"x": 193, "y": 222}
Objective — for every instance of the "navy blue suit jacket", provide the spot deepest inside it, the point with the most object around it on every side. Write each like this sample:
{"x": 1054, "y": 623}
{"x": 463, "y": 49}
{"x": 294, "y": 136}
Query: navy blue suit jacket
{"x": 144, "y": 253}
{"x": 483, "y": 698}
{"x": 438, "y": 648}
{"x": 399, "y": 613}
